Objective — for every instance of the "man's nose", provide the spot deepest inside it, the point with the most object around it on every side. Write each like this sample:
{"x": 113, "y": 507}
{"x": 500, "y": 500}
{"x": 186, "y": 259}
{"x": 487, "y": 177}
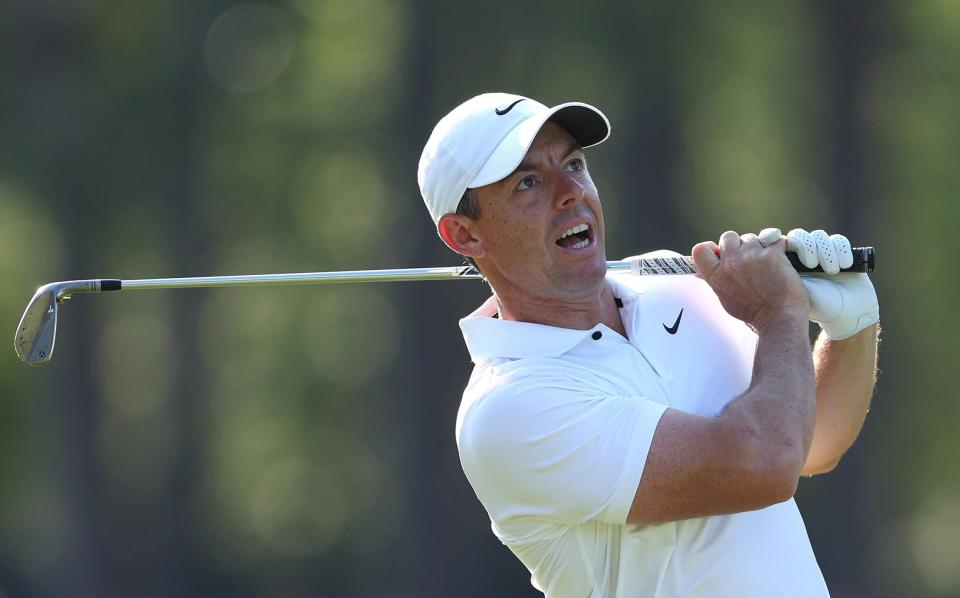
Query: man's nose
{"x": 569, "y": 191}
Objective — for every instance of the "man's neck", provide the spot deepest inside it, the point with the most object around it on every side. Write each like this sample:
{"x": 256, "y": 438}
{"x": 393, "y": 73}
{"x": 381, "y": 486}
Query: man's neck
{"x": 578, "y": 315}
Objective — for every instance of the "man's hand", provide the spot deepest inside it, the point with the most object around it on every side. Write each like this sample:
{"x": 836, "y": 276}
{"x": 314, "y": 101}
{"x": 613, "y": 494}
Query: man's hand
{"x": 843, "y": 304}
{"x": 755, "y": 284}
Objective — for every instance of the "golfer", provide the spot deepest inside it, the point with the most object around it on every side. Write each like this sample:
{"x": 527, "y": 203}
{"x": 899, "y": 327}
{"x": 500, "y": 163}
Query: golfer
{"x": 631, "y": 435}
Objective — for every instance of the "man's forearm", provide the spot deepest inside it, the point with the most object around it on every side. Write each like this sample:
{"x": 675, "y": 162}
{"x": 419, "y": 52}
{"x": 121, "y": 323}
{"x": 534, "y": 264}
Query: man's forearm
{"x": 845, "y": 375}
{"x": 777, "y": 411}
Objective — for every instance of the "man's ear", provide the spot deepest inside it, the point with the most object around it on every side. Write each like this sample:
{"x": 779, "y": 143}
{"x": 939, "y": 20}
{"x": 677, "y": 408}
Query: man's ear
{"x": 457, "y": 232}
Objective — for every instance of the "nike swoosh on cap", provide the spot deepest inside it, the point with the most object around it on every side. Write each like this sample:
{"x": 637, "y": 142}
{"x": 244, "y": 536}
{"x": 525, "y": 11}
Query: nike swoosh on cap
{"x": 508, "y": 108}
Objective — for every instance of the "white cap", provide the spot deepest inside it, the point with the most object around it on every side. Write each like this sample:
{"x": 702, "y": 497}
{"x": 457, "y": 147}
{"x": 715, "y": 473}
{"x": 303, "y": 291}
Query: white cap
{"x": 483, "y": 140}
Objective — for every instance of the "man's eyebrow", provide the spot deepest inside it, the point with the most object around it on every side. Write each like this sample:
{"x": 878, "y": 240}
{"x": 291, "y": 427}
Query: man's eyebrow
{"x": 521, "y": 167}
{"x": 524, "y": 166}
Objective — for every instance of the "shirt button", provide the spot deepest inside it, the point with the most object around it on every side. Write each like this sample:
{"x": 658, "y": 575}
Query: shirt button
{"x": 596, "y": 335}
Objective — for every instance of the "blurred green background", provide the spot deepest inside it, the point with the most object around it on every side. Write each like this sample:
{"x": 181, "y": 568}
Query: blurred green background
{"x": 291, "y": 442}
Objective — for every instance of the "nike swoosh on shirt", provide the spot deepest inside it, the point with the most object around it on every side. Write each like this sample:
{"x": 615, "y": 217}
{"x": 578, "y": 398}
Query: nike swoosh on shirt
{"x": 508, "y": 108}
{"x": 676, "y": 325}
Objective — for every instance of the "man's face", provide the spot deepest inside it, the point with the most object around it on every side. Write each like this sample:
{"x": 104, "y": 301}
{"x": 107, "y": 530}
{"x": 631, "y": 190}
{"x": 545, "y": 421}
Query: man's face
{"x": 524, "y": 219}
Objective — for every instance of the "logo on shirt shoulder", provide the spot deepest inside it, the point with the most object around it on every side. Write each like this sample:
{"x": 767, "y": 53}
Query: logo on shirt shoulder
{"x": 676, "y": 325}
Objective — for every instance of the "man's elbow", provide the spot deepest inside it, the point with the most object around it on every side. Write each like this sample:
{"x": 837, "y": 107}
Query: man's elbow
{"x": 761, "y": 488}
{"x": 768, "y": 469}
{"x": 777, "y": 476}
{"x": 778, "y": 486}
{"x": 783, "y": 488}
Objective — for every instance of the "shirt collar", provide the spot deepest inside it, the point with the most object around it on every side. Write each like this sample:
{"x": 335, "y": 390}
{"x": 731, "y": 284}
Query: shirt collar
{"x": 488, "y": 338}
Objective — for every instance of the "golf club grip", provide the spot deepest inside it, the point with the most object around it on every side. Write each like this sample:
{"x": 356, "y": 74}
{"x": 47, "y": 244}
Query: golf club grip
{"x": 863, "y": 261}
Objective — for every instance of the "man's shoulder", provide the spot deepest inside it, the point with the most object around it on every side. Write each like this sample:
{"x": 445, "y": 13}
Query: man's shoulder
{"x": 524, "y": 385}
{"x": 505, "y": 376}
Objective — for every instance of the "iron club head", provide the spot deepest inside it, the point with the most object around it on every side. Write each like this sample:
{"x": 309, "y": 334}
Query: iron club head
{"x": 37, "y": 331}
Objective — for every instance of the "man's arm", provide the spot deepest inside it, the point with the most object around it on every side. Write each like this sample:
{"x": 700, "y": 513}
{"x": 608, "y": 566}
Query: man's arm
{"x": 846, "y": 375}
{"x": 845, "y": 356}
{"x": 751, "y": 454}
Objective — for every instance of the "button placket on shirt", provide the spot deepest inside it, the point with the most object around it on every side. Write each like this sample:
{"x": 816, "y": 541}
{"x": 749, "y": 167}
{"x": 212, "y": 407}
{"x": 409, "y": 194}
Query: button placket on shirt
{"x": 651, "y": 376}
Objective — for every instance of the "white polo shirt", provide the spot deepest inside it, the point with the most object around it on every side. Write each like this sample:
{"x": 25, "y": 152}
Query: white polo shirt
{"x": 553, "y": 434}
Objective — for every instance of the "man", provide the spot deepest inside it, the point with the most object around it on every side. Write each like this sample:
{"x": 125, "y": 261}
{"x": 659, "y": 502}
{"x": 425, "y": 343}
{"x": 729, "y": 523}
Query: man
{"x": 630, "y": 436}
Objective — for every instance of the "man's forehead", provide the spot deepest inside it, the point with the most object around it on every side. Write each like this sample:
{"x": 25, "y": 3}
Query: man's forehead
{"x": 552, "y": 133}
{"x": 535, "y": 156}
{"x": 552, "y": 138}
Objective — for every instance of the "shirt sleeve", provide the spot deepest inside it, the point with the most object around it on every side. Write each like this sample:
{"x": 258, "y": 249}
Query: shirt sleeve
{"x": 544, "y": 448}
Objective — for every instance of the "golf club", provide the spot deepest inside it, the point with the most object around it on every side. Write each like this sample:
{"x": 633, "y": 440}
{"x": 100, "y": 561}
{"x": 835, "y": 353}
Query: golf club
{"x": 36, "y": 333}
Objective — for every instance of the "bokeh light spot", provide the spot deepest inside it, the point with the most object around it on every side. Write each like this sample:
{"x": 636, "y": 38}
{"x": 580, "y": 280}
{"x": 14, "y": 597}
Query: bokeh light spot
{"x": 933, "y": 544}
{"x": 248, "y": 47}
{"x": 341, "y": 205}
{"x": 136, "y": 369}
{"x": 296, "y": 508}
{"x": 29, "y": 233}
{"x": 134, "y": 358}
{"x": 351, "y": 336}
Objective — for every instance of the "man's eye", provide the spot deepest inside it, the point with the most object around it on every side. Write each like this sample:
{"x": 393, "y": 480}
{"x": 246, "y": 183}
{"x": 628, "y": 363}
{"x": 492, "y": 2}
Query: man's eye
{"x": 526, "y": 182}
{"x": 576, "y": 165}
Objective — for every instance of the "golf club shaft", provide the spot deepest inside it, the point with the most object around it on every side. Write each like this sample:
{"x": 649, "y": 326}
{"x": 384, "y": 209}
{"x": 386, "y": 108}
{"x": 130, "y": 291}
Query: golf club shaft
{"x": 863, "y": 262}
{"x": 36, "y": 332}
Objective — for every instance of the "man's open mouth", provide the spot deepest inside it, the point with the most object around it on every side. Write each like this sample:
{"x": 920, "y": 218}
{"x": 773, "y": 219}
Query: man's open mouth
{"x": 576, "y": 237}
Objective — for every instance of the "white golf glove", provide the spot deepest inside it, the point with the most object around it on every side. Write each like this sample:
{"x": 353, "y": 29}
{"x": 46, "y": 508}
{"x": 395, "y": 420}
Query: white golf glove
{"x": 843, "y": 304}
